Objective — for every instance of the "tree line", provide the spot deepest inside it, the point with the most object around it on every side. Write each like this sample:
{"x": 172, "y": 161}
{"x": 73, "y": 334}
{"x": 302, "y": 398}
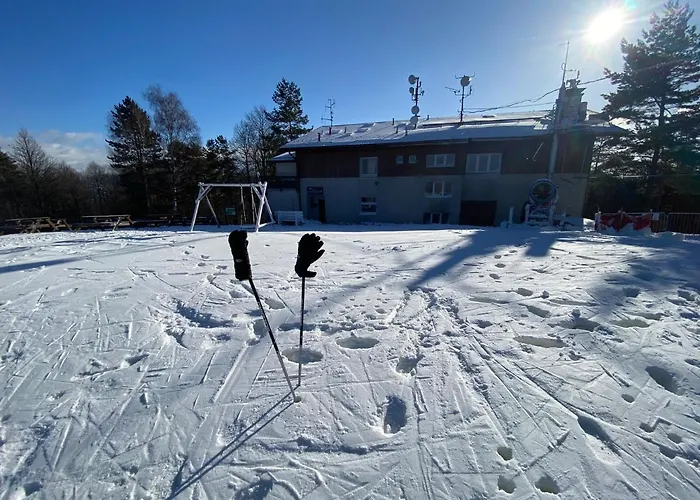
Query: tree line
{"x": 156, "y": 160}
{"x": 656, "y": 164}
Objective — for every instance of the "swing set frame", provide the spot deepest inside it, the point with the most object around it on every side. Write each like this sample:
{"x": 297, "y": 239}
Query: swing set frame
{"x": 259, "y": 189}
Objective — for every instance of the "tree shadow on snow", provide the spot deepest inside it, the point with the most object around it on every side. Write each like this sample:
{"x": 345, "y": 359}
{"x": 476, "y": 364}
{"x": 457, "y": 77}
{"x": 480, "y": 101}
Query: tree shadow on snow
{"x": 490, "y": 241}
{"x": 647, "y": 281}
{"x": 255, "y": 491}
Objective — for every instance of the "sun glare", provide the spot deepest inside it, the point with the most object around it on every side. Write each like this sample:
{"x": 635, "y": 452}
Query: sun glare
{"x": 605, "y": 25}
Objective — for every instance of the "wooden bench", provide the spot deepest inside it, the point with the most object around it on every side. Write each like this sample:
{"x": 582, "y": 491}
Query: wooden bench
{"x": 105, "y": 222}
{"x": 27, "y": 225}
{"x": 290, "y": 217}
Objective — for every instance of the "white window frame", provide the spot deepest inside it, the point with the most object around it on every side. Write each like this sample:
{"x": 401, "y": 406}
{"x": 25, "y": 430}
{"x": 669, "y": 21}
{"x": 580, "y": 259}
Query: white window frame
{"x": 364, "y": 202}
{"x": 446, "y": 160}
{"x": 367, "y": 161}
{"x": 399, "y": 159}
{"x": 440, "y": 189}
{"x": 412, "y": 159}
{"x": 443, "y": 218}
{"x": 493, "y": 163}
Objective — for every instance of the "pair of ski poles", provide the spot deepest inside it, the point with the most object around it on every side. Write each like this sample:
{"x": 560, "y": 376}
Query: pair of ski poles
{"x": 309, "y": 251}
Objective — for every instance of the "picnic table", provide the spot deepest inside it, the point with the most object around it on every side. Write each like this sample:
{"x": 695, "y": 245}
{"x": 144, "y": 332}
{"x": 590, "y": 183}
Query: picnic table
{"x": 27, "y": 225}
{"x": 157, "y": 220}
{"x": 105, "y": 222}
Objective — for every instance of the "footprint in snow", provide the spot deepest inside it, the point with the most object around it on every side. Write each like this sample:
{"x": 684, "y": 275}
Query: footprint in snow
{"x": 547, "y": 485}
{"x": 665, "y": 379}
{"x": 495, "y": 276}
{"x": 408, "y": 364}
{"x": 506, "y": 484}
{"x": 500, "y": 265}
{"x": 354, "y": 342}
{"x": 505, "y": 452}
{"x": 306, "y": 356}
{"x": 394, "y": 414}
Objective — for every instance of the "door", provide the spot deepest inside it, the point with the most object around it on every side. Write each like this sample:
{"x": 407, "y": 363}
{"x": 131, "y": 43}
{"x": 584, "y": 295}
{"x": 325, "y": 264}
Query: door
{"x": 477, "y": 213}
{"x": 322, "y": 210}
{"x": 313, "y": 196}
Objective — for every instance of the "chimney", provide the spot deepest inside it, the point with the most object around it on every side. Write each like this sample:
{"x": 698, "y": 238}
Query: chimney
{"x": 319, "y": 137}
{"x": 346, "y": 130}
{"x": 392, "y": 122}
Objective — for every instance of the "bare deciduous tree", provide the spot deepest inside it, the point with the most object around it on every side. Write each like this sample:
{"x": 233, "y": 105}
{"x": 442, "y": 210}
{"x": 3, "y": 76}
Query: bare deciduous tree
{"x": 35, "y": 164}
{"x": 174, "y": 124}
{"x": 253, "y": 142}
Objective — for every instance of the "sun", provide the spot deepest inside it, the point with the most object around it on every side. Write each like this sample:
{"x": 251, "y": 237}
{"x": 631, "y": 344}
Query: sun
{"x": 605, "y": 25}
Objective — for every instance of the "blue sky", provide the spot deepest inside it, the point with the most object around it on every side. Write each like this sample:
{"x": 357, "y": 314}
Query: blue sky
{"x": 68, "y": 62}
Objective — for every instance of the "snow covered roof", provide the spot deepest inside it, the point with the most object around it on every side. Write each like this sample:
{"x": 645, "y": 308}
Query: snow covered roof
{"x": 484, "y": 127}
{"x": 284, "y": 157}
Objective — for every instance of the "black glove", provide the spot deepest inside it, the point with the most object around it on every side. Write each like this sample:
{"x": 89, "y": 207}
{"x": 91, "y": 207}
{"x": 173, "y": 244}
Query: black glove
{"x": 309, "y": 252}
{"x": 238, "y": 241}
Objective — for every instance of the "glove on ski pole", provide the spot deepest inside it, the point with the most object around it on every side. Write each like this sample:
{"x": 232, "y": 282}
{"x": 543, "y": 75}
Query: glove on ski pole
{"x": 309, "y": 252}
{"x": 238, "y": 241}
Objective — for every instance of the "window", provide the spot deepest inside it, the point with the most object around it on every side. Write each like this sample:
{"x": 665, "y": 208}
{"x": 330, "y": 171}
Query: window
{"x": 399, "y": 160}
{"x": 435, "y": 218}
{"x": 438, "y": 189}
{"x": 368, "y": 167}
{"x": 436, "y": 161}
{"x": 412, "y": 159}
{"x": 484, "y": 163}
{"x": 368, "y": 206}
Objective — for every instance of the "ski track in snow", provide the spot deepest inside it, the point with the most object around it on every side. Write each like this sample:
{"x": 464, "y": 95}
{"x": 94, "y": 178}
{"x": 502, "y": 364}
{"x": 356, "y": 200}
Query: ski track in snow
{"x": 437, "y": 364}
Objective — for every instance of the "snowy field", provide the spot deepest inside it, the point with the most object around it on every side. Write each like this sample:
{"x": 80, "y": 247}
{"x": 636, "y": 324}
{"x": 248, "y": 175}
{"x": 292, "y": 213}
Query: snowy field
{"x": 449, "y": 364}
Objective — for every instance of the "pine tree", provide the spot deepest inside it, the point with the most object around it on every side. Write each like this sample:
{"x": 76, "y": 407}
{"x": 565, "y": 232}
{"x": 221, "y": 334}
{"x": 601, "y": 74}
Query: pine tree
{"x": 658, "y": 95}
{"x": 135, "y": 152}
{"x": 287, "y": 119}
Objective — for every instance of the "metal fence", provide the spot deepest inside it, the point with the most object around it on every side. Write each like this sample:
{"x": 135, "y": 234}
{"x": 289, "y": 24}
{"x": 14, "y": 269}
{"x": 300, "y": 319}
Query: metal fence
{"x": 677, "y": 222}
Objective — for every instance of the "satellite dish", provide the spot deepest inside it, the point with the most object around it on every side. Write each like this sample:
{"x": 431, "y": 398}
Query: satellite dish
{"x": 410, "y": 90}
{"x": 415, "y": 110}
{"x": 466, "y": 80}
{"x": 413, "y": 120}
{"x": 412, "y": 79}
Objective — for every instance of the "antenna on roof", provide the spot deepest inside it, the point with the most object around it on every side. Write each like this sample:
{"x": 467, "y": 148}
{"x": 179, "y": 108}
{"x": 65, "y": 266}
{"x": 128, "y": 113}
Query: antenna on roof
{"x": 329, "y": 107}
{"x": 464, "y": 82}
{"x": 416, "y": 92}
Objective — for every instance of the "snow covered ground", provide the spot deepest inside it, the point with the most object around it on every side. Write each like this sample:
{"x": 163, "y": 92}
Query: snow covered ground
{"x": 440, "y": 364}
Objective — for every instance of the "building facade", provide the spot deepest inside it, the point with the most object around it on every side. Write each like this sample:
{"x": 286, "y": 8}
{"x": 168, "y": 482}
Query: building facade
{"x": 441, "y": 172}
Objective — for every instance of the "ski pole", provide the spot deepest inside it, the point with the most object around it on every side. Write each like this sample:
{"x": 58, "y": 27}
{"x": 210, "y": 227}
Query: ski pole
{"x": 309, "y": 252}
{"x": 238, "y": 241}
{"x": 301, "y": 326}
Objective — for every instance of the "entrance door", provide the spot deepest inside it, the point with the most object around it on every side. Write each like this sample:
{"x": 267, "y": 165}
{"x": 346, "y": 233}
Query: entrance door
{"x": 322, "y": 210}
{"x": 314, "y": 197}
{"x": 477, "y": 213}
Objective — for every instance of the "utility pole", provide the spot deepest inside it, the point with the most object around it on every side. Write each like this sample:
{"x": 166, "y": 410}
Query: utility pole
{"x": 557, "y": 116}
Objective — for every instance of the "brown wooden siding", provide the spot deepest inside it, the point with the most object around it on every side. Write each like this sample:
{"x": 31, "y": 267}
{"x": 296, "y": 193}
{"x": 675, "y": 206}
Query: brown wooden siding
{"x": 526, "y": 156}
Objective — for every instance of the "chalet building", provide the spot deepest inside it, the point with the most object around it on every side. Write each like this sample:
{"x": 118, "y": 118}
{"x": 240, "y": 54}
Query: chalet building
{"x": 440, "y": 172}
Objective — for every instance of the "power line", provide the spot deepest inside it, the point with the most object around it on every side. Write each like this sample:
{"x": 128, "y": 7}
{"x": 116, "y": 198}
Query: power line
{"x": 514, "y": 104}
{"x": 533, "y": 100}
